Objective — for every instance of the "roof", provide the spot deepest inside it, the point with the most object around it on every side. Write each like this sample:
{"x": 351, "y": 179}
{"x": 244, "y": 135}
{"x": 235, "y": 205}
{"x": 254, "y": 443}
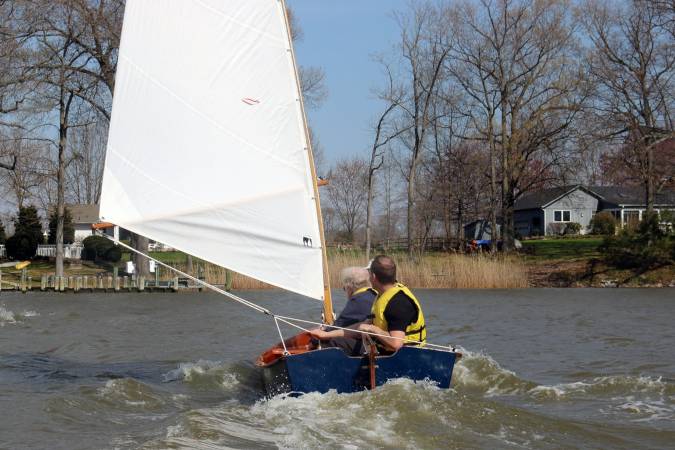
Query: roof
{"x": 540, "y": 199}
{"x": 84, "y": 214}
{"x": 617, "y": 195}
{"x": 632, "y": 195}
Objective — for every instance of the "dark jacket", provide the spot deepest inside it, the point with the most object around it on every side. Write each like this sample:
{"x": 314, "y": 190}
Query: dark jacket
{"x": 358, "y": 307}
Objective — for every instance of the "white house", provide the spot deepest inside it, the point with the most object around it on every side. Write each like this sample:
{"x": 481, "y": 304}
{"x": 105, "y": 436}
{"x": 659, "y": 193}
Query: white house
{"x": 83, "y": 218}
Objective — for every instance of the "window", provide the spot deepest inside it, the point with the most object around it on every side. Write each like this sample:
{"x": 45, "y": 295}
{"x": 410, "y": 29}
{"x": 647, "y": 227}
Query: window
{"x": 561, "y": 216}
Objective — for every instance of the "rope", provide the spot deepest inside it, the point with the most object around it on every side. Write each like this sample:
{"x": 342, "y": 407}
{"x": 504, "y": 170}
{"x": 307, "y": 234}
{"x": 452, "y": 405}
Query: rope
{"x": 197, "y": 280}
{"x": 289, "y": 320}
{"x": 277, "y": 318}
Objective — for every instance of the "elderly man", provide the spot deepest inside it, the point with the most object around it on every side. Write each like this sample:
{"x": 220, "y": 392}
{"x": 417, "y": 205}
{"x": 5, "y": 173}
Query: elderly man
{"x": 397, "y": 316}
{"x": 360, "y": 296}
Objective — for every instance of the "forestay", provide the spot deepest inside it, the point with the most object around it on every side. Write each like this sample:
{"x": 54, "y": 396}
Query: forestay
{"x": 207, "y": 150}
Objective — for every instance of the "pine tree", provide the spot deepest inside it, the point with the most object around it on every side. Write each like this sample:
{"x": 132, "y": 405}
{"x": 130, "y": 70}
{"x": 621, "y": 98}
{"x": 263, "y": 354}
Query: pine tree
{"x": 27, "y": 234}
{"x": 68, "y": 229}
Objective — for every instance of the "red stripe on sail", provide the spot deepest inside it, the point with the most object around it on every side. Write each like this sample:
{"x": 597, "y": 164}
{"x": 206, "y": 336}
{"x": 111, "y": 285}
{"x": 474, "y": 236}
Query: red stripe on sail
{"x": 250, "y": 101}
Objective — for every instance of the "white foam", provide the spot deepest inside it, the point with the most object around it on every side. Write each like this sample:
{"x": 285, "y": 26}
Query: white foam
{"x": 6, "y": 316}
{"x": 9, "y": 317}
{"x": 310, "y": 420}
{"x": 621, "y": 384}
{"x": 187, "y": 371}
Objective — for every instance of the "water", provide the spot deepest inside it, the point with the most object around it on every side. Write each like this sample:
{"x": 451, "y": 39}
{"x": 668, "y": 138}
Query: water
{"x": 543, "y": 368}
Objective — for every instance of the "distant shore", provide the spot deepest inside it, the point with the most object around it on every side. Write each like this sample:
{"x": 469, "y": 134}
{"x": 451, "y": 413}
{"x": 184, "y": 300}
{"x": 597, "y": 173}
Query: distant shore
{"x": 550, "y": 263}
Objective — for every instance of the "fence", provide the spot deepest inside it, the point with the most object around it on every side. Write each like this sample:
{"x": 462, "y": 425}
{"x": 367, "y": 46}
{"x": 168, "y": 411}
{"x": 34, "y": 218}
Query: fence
{"x": 398, "y": 244}
{"x": 3, "y": 252}
{"x": 70, "y": 251}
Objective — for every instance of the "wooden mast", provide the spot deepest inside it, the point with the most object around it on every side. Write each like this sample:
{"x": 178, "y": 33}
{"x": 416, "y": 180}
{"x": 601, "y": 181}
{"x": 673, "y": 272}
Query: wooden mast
{"x": 327, "y": 301}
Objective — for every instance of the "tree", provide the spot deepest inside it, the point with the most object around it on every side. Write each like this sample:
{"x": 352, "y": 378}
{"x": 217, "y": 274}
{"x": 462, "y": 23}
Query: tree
{"x": 424, "y": 50}
{"x": 632, "y": 62}
{"x": 384, "y": 134}
{"x": 348, "y": 180}
{"x": 27, "y": 234}
{"x": 3, "y": 236}
{"x": 529, "y": 49}
{"x": 68, "y": 229}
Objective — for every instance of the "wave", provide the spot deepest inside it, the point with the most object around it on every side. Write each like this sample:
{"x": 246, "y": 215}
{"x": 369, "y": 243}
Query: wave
{"x": 9, "y": 317}
{"x": 488, "y": 406}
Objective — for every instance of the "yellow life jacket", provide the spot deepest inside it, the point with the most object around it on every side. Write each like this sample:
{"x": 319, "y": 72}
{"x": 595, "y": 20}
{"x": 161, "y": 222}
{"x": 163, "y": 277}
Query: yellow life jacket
{"x": 416, "y": 331}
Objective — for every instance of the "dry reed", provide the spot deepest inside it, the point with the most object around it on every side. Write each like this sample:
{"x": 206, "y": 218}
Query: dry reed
{"x": 436, "y": 271}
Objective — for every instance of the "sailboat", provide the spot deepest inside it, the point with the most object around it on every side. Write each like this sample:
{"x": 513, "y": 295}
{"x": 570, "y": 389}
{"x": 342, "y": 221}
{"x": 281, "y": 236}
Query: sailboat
{"x": 209, "y": 153}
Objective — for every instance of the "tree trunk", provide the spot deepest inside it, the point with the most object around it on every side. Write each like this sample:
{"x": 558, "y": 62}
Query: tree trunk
{"x": 411, "y": 208}
{"x": 64, "y": 109}
{"x": 369, "y": 211}
{"x": 493, "y": 186}
{"x": 141, "y": 266}
{"x": 190, "y": 267}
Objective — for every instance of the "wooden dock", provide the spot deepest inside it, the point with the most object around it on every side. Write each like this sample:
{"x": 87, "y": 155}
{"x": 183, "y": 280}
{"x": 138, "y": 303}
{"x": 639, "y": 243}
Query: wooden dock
{"x": 98, "y": 283}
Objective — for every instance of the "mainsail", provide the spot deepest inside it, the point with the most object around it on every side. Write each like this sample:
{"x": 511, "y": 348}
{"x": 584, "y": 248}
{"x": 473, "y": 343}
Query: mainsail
{"x": 207, "y": 150}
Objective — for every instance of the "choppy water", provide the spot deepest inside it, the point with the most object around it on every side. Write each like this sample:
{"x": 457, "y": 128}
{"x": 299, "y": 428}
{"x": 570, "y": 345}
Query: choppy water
{"x": 543, "y": 368}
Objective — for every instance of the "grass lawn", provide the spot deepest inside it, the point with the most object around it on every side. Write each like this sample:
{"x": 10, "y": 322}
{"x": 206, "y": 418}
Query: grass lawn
{"x": 566, "y": 248}
{"x": 165, "y": 257}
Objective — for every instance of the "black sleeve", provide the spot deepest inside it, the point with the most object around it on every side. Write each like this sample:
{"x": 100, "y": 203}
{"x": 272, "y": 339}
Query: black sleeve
{"x": 400, "y": 312}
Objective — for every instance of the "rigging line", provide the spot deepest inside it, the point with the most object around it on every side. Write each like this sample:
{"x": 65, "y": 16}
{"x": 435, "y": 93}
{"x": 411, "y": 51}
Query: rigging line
{"x": 284, "y": 319}
{"x": 287, "y": 320}
{"x": 197, "y": 280}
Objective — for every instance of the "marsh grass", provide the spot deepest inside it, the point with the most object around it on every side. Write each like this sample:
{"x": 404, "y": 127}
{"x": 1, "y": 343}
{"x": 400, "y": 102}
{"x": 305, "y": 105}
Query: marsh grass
{"x": 435, "y": 271}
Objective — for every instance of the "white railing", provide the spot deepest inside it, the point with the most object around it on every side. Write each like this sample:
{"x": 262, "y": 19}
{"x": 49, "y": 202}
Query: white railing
{"x": 70, "y": 251}
{"x": 3, "y": 251}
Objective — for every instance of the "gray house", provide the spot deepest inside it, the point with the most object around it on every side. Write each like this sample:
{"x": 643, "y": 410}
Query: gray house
{"x": 550, "y": 210}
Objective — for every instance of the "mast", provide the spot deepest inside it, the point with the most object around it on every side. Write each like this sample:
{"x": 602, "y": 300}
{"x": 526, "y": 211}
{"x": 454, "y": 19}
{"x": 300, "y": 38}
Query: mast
{"x": 327, "y": 300}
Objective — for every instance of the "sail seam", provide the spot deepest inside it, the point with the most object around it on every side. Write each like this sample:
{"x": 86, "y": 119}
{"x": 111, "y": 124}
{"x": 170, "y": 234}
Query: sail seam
{"x": 213, "y": 122}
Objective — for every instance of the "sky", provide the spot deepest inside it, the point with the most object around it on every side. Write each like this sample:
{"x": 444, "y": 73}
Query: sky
{"x": 342, "y": 37}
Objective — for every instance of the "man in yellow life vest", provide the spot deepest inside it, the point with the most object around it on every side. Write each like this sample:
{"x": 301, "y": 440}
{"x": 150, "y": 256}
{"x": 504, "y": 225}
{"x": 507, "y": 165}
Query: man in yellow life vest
{"x": 396, "y": 314}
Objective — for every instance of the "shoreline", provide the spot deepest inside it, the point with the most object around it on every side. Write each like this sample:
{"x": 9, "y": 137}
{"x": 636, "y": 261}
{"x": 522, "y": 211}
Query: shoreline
{"x": 432, "y": 271}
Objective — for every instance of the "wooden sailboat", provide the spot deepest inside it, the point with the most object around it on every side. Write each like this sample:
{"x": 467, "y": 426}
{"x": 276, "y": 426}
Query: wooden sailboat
{"x": 209, "y": 152}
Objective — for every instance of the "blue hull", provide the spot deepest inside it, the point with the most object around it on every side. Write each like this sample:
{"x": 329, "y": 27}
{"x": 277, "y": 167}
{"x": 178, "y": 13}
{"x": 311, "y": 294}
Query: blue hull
{"x": 330, "y": 368}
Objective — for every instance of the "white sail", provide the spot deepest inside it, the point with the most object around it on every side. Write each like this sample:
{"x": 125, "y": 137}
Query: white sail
{"x": 207, "y": 149}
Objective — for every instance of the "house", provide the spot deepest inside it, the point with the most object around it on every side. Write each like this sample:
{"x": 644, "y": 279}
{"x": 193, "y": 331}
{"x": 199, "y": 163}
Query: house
{"x": 83, "y": 217}
{"x": 548, "y": 211}
{"x": 627, "y": 204}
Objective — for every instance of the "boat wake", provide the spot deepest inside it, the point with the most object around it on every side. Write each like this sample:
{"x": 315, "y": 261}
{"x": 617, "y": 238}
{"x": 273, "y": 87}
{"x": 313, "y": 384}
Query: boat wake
{"x": 488, "y": 406}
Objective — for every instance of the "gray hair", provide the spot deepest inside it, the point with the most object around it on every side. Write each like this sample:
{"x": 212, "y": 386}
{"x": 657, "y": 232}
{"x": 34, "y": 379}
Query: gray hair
{"x": 355, "y": 277}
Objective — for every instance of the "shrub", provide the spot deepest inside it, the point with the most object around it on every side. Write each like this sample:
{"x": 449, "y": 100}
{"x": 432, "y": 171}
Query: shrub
{"x": 556, "y": 228}
{"x": 99, "y": 247}
{"x": 573, "y": 228}
{"x": 648, "y": 246}
{"x": 22, "y": 245}
{"x": 603, "y": 223}
{"x": 113, "y": 254}
{"x": 27, "y": 234}
{"x": 68, "y": 229}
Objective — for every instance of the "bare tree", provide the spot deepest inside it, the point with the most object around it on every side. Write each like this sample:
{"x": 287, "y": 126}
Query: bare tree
{"x": 384, "y": 134}
{"x": 424, "y": 50}
{"x": 632, "y": 60}
{"x": 528, "y": 48}
{"x": 348, "y": 180}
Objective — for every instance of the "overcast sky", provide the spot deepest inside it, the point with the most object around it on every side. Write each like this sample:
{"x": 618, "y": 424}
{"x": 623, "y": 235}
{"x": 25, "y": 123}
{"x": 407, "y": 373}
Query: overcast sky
{"x": 342, "y": 36}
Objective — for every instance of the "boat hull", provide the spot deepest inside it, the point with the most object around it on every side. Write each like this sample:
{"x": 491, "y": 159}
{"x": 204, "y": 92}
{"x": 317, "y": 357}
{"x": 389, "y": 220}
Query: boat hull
{"x": 328, "y": 369}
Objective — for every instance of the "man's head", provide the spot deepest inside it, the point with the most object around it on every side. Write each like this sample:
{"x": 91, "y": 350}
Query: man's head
{"x": 354, "y": 278}
{"x": 382, "y": 271}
